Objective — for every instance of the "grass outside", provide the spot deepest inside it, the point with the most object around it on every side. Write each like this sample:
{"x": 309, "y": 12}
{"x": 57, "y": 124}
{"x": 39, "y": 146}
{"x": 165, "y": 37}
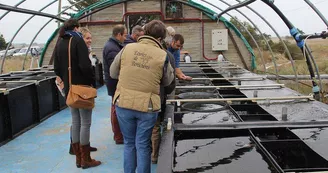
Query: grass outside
{"x": 319, "y": 48}
{"x": 16, "y": 63}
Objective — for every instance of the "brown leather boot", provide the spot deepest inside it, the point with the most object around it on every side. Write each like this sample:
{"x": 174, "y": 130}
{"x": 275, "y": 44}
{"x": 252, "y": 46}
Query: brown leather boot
{"x": 92, "y": 149}
{"x": 72, "y": 152}
{"x": 76, "y": 149}
{"x": 86, "y": 160}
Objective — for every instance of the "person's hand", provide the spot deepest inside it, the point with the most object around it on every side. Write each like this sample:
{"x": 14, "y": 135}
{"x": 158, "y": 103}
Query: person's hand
{"x": 188, "y": 78}
{"x": 59, "y": 83}
{"x": 184, "y": 77}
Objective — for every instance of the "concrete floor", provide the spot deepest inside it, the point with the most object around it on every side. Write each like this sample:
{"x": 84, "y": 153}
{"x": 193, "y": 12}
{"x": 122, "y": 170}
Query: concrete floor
{"x": 44, "y": 148}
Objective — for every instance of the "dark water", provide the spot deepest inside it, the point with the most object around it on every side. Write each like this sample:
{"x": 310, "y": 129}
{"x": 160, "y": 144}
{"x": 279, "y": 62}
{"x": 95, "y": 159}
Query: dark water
{"x": 315, "y": 138}
{"x": 295, "y": 154}
{"x": 224, "y": 116}
{"x": 218, "y": 155}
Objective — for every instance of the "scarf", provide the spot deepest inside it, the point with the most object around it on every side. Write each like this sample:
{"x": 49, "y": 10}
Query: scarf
{"x": 73, "y": 34}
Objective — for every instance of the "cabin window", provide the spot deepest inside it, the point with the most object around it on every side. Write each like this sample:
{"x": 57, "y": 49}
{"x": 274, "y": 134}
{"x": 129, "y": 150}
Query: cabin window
{"x": 140, "y": 19}
{"x": 173, "y": 9}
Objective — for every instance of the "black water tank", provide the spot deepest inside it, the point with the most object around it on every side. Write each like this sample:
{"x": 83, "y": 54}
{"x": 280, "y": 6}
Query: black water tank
{"x": 47, "y": 95}
{"x": 23, "y": 105}
{"x": 5, "y": 127}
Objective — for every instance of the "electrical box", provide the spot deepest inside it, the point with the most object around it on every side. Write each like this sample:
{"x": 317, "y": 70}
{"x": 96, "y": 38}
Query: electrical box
{"x": 219, "y": 39}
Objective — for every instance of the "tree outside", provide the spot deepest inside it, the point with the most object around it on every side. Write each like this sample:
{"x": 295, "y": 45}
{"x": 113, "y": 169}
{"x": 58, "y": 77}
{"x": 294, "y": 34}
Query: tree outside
{"x": 276, "y": 47}
{"x": 3, "y": 43}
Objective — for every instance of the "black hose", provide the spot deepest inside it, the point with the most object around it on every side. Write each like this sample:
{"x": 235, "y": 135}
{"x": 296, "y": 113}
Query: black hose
{"x": 300, "y": 44}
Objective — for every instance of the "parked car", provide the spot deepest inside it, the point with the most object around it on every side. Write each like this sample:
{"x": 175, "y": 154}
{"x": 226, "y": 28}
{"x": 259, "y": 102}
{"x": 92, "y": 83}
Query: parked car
{"x": 11, "y": 52}
{"x": 34, "y": 51}
{"x": 2, "y": 53}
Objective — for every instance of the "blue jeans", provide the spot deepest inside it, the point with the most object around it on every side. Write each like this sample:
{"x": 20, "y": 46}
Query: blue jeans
{"x": 136, "y": 128}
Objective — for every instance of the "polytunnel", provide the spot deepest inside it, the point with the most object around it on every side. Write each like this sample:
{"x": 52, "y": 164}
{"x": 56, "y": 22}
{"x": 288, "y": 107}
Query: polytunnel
{"x": 256, "y": 101}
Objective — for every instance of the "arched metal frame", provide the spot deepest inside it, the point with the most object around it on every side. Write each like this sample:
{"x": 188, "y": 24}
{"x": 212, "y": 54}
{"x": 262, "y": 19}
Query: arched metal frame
{"x": 280, "y": 39}
{"x": 300, "y": 43}
{"x": 307, "y": 48}
{"x": 273, "y": 57}
{"x": 261, "y": 54}
{"x": 317, "y": 11}
{"x": 265, "y": 40}
{"x": 268, "y": 2}
{"x": 27, "y": 11}
{"x": 252, "y": 37}
{"x": 37, "y": 34}
{"x": 19, "y": 3}
{"x": 19, "y": 29}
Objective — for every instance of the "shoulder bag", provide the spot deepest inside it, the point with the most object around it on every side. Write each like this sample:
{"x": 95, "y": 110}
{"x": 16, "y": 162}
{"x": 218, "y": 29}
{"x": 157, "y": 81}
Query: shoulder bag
{"x": 79, "y": 96}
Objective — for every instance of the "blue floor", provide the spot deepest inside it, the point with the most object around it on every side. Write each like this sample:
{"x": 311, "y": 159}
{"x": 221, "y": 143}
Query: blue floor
{"x": 45, "y": 147}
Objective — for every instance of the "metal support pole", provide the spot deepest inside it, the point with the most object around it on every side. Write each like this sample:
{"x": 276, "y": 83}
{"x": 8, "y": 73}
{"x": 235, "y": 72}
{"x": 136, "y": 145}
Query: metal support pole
{"x": 19, "y": 3}
{"x": 26, "y": 11}
{"x": 256, "y": 44}
{"x": 12, "y": 39}
{"x": 79, "y": 17}
{"x": 300, "y": 43}
{"x": 238, "y": 99}
{"x": 265, "y": 40}
{"x": 59, "y": 10}
{"x": 261, "y": 54}
{"x": 283, "y": 43}
{"x": 241, "y": 4}
{"x": 36, "y": 35}
{"x": 292, "y": 77}
{"x": 318, "y": 12}
{"x": 250, "y": 125}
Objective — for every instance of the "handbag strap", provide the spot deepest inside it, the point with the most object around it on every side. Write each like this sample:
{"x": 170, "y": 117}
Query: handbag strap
{"x": 69, "y": 63}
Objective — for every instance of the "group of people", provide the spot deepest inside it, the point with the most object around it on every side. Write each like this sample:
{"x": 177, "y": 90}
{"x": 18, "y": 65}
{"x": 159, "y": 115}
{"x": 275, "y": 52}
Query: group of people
{"x": 139, "y": 70}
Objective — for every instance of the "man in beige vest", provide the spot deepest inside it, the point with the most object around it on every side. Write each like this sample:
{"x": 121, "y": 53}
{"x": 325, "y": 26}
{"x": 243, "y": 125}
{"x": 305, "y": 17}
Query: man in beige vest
{"x": 141, "y": 68}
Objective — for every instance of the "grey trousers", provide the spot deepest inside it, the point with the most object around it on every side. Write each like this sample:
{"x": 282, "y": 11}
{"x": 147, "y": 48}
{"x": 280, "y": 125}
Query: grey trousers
{"x": 81, "y": 123}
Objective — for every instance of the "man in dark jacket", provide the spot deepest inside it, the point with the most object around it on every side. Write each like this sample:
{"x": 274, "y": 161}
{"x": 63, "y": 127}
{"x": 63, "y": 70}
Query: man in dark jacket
{"x": 137, "y": 31}
{"x": 111, "y": 49}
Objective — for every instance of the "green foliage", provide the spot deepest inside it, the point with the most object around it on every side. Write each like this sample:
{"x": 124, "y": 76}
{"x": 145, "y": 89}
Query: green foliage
{"x": 239, "y": 24}
{"x": 295, "y": 51}
{"x": 3, "y": 44}
{"x": 83, "y": 4}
